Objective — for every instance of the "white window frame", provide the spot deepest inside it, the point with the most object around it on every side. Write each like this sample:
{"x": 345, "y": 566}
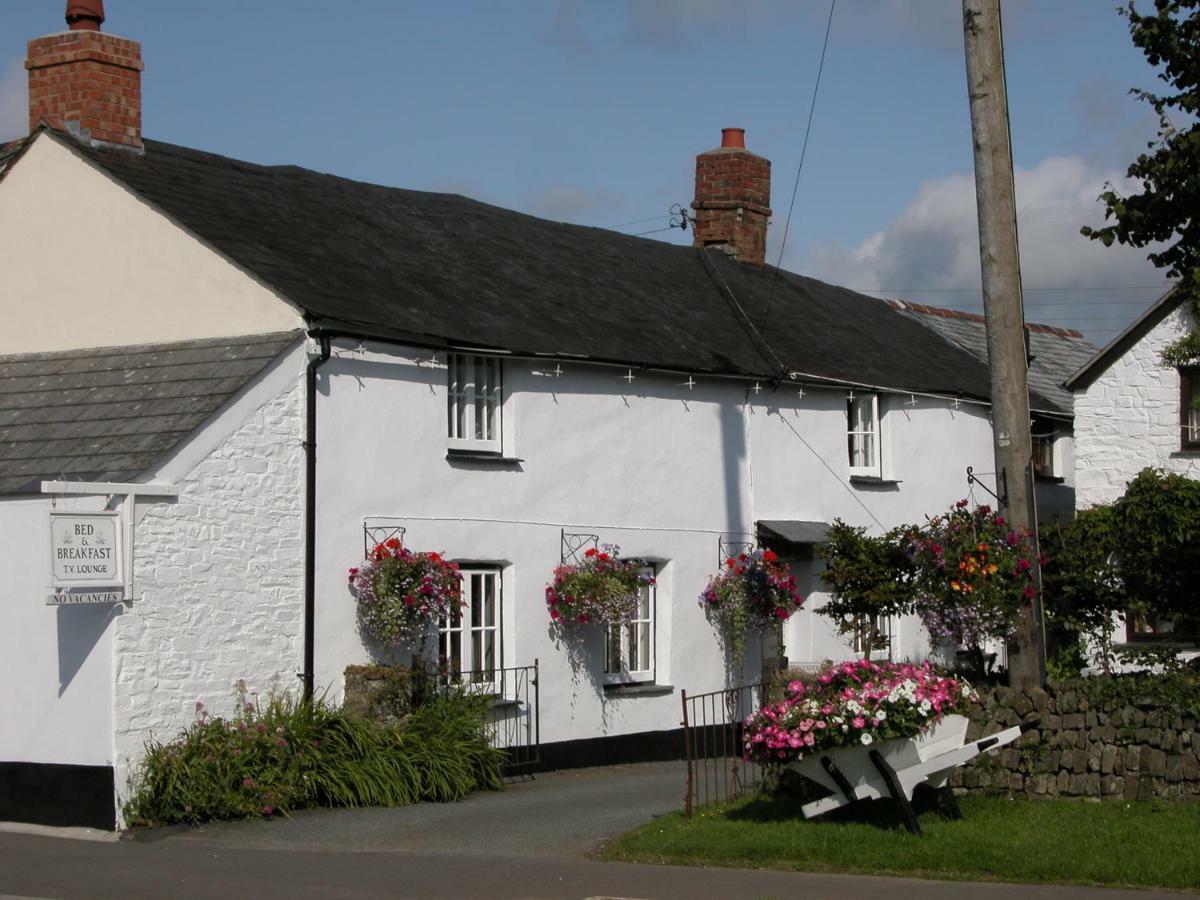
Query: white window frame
{"x": 616, "y": 667}
{"x": 875, "y": 468}
{"x": 463, "y": 625}
{"x": 879, "y": 653}
{"x": 474, "y": 402}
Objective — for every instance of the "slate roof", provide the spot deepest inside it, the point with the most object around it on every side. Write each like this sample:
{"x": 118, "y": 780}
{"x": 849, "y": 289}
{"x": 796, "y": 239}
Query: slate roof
{"x": 440, "y": 269}
{"x": 1056, "y": 353}
{"x": 108, "y": 414}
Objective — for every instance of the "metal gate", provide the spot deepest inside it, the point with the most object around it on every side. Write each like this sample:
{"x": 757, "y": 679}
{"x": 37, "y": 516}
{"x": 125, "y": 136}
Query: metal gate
{"x": 712, "y": 735}
{"x": 514, "y": 721}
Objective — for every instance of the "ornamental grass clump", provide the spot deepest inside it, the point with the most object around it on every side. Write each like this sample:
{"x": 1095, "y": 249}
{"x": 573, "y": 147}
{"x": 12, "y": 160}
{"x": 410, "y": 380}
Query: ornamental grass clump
{"x": 603, "y": 588}
{"x": 974, "y": 574}
{"x": 752, "y": 591}
{"x": 853, "y": 704}
{"x": 290, "y": 754}
{"x": 402, "y": 594}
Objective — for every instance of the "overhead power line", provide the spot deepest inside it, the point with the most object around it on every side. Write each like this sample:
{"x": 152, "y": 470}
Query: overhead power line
{"x": 1131, "y": 287}
{"x": 803, "y": 151}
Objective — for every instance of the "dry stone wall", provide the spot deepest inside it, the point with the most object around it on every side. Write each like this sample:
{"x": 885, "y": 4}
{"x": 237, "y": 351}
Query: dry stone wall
{"x": 1074, "y": 745}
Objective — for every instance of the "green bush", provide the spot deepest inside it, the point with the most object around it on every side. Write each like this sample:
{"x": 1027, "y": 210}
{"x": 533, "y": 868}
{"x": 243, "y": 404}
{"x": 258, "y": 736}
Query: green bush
{"x": 290, "y": 754}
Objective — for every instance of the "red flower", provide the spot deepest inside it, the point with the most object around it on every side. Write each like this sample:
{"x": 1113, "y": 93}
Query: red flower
{"x": 591, "y": 551}
{"x": 770, "y": 556}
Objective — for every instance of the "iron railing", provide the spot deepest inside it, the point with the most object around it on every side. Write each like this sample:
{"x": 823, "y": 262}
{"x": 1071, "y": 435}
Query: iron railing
{"x": 514, "y": 722}
{"x": 712, "y": 736}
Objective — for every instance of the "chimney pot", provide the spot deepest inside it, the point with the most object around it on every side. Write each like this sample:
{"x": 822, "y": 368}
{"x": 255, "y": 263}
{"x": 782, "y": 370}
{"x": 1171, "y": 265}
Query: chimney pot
{"x": 733, "y": 137}
{"x": 85, "y": 15}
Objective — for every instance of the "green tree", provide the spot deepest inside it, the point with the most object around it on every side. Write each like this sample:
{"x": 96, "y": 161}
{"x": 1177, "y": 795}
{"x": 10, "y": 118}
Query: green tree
{"x": 870, "y": 579}
{"x": 1157, "y": 530}
{"x": 1081, "y": 584}
{"x": 1169, "y": 173}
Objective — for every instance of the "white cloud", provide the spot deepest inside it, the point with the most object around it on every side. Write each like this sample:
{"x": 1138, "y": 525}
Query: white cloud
{"x": 14, "y": 108}
{"x": 933, "y": 246}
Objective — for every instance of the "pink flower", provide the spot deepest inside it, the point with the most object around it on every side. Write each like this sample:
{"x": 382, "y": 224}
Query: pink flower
{"x": 859, "y": 722}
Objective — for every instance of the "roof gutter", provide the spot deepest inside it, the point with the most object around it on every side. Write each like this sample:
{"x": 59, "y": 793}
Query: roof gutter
{"x": 310, "y": 505}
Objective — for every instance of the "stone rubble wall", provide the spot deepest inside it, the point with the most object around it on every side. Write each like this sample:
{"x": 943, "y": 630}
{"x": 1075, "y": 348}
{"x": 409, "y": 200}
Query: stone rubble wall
{"x": 1075, "y": 746}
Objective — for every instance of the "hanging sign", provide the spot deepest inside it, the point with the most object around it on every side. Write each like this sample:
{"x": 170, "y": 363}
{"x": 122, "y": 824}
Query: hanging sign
{"x": 85, "y": 557}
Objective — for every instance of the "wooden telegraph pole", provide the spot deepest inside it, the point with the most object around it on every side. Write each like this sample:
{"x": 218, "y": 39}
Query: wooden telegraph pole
{"x": 1007, "y": 356}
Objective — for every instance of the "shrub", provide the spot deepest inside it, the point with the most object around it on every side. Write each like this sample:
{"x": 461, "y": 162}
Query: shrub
{"x": 974, "y": 574}
{"x": 754, "y": 590}
{"x": 1082, "y": 587}
{"x": 871, "y": 579}
{"x": 603, "y": 588}
{"x": 402, "y": 594}
{"x": 853, "y": 703}
{"x": 1157, "y": 531}
{"x": 290, "y": 754}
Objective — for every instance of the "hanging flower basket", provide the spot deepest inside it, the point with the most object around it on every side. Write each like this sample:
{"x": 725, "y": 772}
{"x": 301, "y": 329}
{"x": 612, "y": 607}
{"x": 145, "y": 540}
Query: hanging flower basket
{"x": 753, "y": 590}
{"x": 603, "y": 588}
{"x": 853, "y": 703}
{"x": 401, "y": 594}
{"x": 974, "y": 575}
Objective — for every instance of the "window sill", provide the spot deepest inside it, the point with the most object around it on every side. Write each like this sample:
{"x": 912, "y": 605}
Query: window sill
{"x": 875, "y": 480}
{"x": 1186, "y": 453}
{"x": 1049, "y": 479}
{"x": 487, "y": 457}
{"x": 639, "y": 689}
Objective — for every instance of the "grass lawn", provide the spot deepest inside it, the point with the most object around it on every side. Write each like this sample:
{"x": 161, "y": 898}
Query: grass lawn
{"x": 1047, "y": 841}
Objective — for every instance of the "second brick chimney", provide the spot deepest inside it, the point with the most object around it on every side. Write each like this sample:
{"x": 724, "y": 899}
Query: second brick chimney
{"x": 733, "y": 199}
{"x": 86, "y": 82}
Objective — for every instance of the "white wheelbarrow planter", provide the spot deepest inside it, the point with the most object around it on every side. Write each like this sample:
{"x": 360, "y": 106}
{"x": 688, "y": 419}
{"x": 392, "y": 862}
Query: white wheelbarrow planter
{"x": 895, "y": 768}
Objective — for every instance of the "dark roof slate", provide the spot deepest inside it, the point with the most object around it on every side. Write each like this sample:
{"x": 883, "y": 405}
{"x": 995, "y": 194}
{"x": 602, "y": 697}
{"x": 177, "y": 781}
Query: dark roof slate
{"x": 1055, "y": 352}
{"x": 446, "y": 270}
{"x": 108, "y": 414}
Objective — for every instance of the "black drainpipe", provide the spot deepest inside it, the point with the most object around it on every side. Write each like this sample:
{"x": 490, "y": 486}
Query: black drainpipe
{"x": 310, "y": 508}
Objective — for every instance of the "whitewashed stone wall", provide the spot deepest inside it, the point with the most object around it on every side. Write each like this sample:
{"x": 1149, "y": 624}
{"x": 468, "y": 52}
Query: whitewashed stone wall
{"x": 221, "y": 579}
{"x": 1128, "y": 419}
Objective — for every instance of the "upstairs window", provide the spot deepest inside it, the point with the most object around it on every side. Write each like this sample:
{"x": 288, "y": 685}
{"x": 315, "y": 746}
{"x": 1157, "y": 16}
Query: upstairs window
{"x": 863, "y": 435}
{"x": 474, "y": 394}
{"x": 629, "y": 650}
{"x": 1189, "y": 415}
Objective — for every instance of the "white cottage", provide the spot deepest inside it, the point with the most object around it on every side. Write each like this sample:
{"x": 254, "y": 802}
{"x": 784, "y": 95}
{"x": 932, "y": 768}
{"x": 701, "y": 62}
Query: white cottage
{"x": 256, "y": 371}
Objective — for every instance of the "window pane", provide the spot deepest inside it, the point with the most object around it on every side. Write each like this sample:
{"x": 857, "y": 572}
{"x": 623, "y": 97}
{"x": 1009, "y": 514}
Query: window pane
{"x": 868, "y": 450}
{"x": 642, "y": 654}
{"x": 456, "y": 652}
{"x": 489, "y": 601}
{"x": 476, "y": 600}
{"x": 1193, "y": 415}
{"x": 487, "y": 660}
{"x": 612, "y": 650}
{"x": 480, "y": 391}
{"x": 490, "y": 389}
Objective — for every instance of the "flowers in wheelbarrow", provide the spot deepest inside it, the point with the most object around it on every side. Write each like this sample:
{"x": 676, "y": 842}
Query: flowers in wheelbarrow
{"x": 853, "y": 703}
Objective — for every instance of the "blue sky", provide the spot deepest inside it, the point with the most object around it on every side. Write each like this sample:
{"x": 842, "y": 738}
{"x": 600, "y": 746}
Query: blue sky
{"x": 593, "y": 112}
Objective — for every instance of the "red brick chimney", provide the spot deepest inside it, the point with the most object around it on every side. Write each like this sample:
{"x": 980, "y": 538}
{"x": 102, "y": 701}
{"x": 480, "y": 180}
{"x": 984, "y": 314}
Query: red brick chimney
{"x": 86, "y": 82}
{"x": 733, "y": 199}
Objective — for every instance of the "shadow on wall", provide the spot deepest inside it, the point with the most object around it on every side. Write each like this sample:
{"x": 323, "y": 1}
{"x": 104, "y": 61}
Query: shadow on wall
{"x": 79, "y": 630}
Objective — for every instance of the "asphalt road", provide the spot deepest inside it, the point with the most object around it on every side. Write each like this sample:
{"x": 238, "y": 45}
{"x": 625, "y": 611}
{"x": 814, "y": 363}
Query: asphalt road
{"x": 532, "y": 840}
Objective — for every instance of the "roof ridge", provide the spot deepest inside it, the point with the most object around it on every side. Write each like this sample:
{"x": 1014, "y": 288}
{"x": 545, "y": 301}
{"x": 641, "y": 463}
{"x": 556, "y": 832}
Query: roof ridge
{"x": 925, "y": 309}
{"x": 125, "y": 350}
